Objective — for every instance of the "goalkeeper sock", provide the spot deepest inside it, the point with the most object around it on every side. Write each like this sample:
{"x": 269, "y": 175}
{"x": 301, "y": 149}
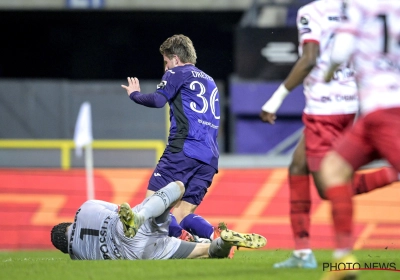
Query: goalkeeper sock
{"x": 219, "y": 249}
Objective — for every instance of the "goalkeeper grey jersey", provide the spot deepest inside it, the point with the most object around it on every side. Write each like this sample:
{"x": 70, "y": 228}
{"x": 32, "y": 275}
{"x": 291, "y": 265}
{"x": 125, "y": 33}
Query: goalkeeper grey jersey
{"x": 97, "y": 234}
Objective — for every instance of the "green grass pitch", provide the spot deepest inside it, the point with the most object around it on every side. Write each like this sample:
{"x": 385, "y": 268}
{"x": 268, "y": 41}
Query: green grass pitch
{"x": 246, "y": 265}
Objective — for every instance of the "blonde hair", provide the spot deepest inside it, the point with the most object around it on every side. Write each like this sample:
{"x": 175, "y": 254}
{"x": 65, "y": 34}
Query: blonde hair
{"x": 181, "y": 46}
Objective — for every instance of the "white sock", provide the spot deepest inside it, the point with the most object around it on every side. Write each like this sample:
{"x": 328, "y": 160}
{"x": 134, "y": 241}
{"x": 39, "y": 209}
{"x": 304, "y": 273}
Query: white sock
{"x": 340, "y": 253}
{"x": 302, "y": 253}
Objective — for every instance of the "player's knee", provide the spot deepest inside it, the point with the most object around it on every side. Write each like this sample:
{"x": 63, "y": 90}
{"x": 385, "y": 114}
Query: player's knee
{"x": 334, "y": 170}
{"x": 173, "y": 191}
{"x": 181, "y": 186}
{"x": 328, "y": 169}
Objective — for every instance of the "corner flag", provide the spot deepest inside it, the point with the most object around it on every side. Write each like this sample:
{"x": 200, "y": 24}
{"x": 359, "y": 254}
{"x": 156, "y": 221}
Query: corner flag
{"x": 83, "y": 128}
{"x": 83, "y": 138}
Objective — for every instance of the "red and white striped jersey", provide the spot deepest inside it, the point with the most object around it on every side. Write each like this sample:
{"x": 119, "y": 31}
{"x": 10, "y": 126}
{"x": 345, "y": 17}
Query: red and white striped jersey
{"x": 375, "y": 24}
{"x": 317, "y": 22}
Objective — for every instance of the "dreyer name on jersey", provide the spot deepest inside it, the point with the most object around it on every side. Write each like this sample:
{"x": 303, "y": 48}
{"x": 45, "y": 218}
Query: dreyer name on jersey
{"x": 197, "y": 74}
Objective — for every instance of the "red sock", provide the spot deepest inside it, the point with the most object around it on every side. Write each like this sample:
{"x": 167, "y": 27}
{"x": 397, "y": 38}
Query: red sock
{"x": 300, "y": 204}
{"x": 366, "y": 182}
{"x": 342, "y": 215}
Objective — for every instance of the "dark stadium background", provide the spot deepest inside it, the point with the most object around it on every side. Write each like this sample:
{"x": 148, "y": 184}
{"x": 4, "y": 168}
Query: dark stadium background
{"x": 109, "y": 44}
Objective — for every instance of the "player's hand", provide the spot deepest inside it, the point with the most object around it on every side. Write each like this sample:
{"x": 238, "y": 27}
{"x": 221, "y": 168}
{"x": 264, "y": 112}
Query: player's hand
{"x": 267, "y": 117}
{"x": 133, "y": 85}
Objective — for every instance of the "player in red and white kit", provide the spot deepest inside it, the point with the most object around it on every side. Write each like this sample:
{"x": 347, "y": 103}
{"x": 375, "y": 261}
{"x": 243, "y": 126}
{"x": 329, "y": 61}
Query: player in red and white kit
{"x": 330, "y": 109}
{"x": 370, "y": 35}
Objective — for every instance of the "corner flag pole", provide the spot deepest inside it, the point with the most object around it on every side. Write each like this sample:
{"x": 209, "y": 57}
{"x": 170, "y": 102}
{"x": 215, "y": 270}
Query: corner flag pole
{"x": 89, "y": 171}
{"x": 83, "y": 138}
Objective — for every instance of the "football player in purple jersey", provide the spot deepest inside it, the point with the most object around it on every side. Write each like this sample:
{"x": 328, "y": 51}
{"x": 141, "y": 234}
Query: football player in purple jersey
{"x": 191, "y": 154}
{"x": 107, "y": 231}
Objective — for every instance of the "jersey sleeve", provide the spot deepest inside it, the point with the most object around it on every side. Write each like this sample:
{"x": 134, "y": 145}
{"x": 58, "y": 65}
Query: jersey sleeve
{"x": 170, "y": 84}
{"x": 309, "y": 24}
{"x": 152, "y": 100}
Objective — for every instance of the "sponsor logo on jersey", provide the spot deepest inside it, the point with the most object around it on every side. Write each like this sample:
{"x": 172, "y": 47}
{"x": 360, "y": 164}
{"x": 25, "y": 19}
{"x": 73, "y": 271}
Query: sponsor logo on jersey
{"x": 162, "y": 85}
{"x": 157, "y": 175}
{"x": 334, "y": 18}
{"x": 102, "y": 239}
{"x": 339, "y": 98}
{"x": 325, "y": 99}
{"x": 345, "y": 97}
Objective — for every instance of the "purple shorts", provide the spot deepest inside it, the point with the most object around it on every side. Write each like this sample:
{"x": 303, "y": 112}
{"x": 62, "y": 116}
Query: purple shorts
{"x": 196, "y": 175}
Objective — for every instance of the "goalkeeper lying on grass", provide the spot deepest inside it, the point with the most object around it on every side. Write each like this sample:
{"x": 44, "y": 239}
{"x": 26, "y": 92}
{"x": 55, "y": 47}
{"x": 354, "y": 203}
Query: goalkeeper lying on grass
{"x": 106, "y": 231}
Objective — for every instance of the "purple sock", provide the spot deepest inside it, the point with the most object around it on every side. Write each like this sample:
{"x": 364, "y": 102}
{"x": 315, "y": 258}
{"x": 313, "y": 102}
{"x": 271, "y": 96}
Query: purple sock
{"x": 197, "y": 225}
{"x": 175, "y": 229}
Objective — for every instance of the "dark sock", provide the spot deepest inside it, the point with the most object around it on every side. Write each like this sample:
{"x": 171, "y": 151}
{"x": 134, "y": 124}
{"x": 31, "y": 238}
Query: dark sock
{"x": 197, "y": 225}
{"x": 175, "y": 229}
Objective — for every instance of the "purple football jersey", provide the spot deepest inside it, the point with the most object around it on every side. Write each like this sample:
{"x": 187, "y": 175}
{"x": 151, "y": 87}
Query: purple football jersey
{"x": 194, "y": 113}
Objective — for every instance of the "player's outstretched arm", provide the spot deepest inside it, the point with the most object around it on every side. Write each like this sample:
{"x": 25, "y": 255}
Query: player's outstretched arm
{"x": 152, "y": 100}
{"x": 296, "y": 76}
